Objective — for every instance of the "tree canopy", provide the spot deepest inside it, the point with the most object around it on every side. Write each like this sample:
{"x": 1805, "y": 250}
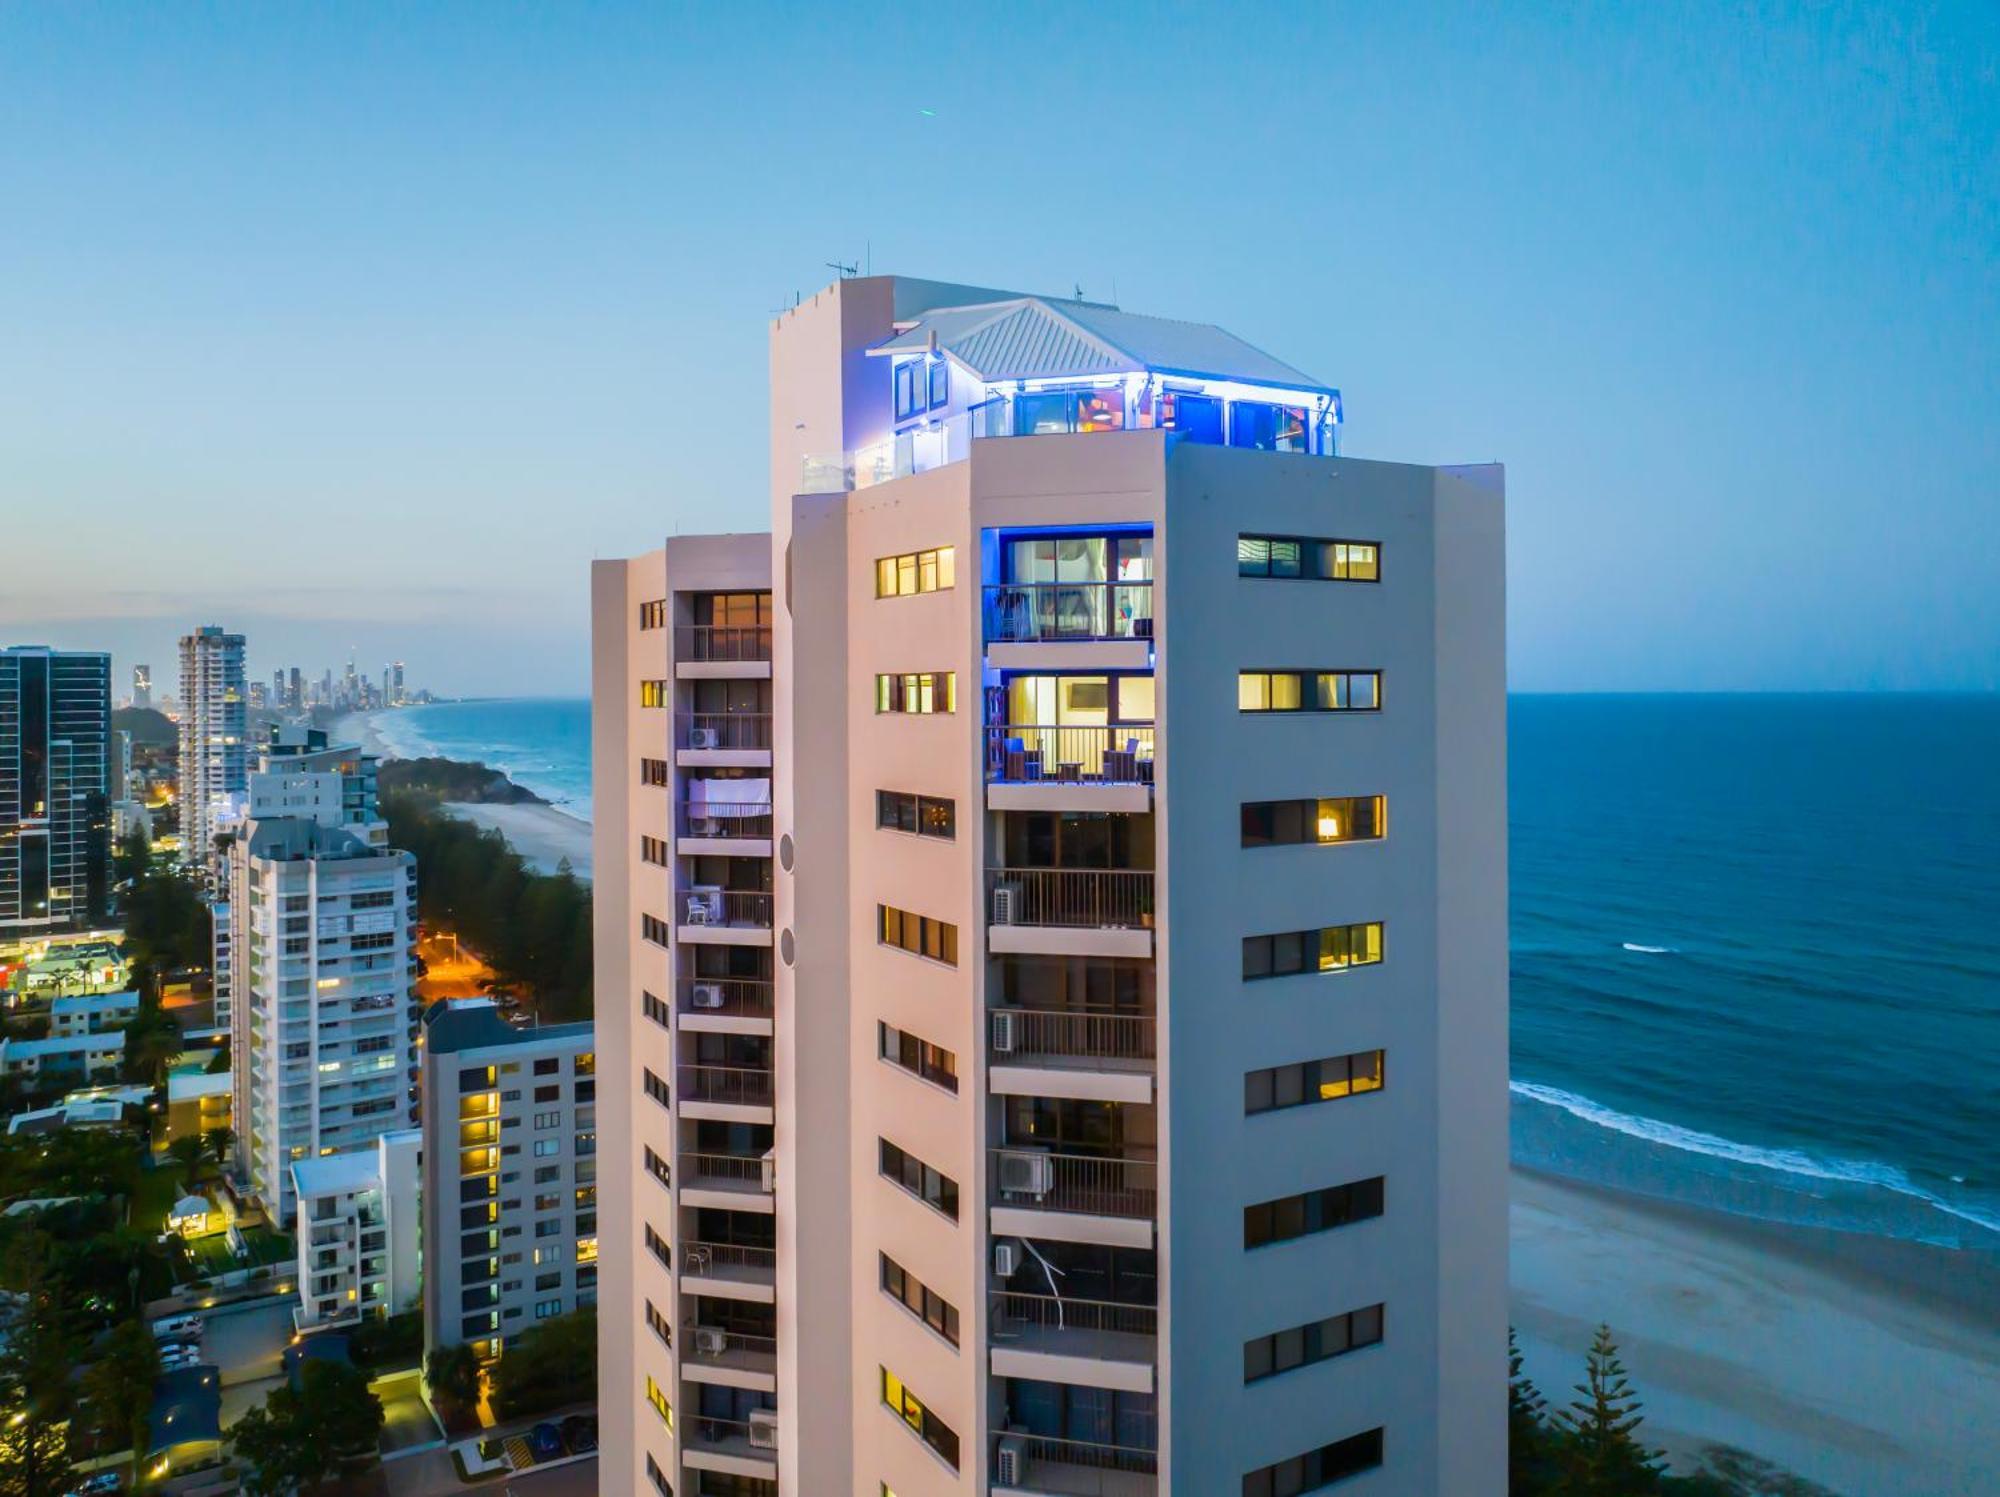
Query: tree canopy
{"x": 553, "y": 1364}
{"x": 303, "y": 1437}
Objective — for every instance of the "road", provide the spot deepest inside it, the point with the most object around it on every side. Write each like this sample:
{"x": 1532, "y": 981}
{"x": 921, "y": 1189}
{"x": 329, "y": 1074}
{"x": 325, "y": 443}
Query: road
{"x": 579, "y": 1479}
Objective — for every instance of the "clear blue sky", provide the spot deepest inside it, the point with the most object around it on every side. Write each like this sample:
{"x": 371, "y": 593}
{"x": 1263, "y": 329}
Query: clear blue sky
{"x": 371, "y": 325}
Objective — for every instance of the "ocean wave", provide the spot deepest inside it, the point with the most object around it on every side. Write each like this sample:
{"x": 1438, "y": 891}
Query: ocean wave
{"x": 1651, "y": 950}
{"x": 1860, "y": 1172}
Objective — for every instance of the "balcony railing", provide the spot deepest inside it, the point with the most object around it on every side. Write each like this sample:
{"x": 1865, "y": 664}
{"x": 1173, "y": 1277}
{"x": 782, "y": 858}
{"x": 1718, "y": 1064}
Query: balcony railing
{"x": 1027, "y": 611}
{"x": 727, "y": 642}
{"x": 739, "y": 1086}
{"x": 1074, "y": 1033}
{"x": 734, "y": 1437}
{"x": 748, "y": 909}
{"x": 723, "y": 1169}
{"x": 727, "y": 997}
{"x": 1021, "y": 753}
{"x": 727, "y": 1259}
{"x": 1078, "y": 1468}
{"x": 724, "y": 730}
{"x": 1084, "y": 1184}
{"x": 1011, "y": 1314}
{"x": 712, "y": 1346}
{"x": 725, "y": 819}
{"x": 1086, "y": 898}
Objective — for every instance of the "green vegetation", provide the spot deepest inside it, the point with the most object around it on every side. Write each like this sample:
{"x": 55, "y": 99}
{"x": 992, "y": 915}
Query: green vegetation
{"x": 453, "y": 779}
{"x": 147, "y": 726}
{"x": 38, "y": 1347}
{"x": 395, "y": 1341}
{"x": 552, "y": 1365}
{"x": 166, "y": 925}
{"x": 218, "y": 1141}
{"x": 119, "y": 1388}
{"x": 452, "y": 1374}
{"x": 188, "y": 1154}
{"x": 303, "y": 1438}
{"x": 532, "y": 928}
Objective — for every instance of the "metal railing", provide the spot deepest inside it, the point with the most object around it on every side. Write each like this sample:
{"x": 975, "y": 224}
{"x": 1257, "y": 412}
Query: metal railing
{"x": 697, "y": 1344}
{"x": 1009, "y": 1313}
{"x": 1074, "y": 1032}
{"x": 724, "y": 819}
{"x": 750, "y": 908}
{"x": 1018, "y": 612}
{"x": 723, "y": 730}
{"x": 728, "y": 997}
{"x": 1092, "y": 1470}
{"x": 704, "y": 1257}
{"x": 1091, "y": 898}
{"x": 1027, "y": 753}
{"x": 725, "y": 1436}
{"x": 736, "y": 1169}
{"x": 1084, "y": 1184}
{"x": 742, "y": 1086}
{"x": 729, "y": 642}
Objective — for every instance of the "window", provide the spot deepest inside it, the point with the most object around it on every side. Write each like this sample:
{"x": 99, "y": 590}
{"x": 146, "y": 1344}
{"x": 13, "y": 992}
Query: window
{"x": 1313, "y": 1211}
{"x": 919, "y": 1057}
{"x": 655, "y": 693}
{"x": 475, "y": 1078}
{"x": 1332, "y": 948}
{"x": 920, "y": 815}
{"x": 653, "y": 614}
{"x": 655, "y": 1087}
{"x": 1308, "y": 691}
{"x": 918, "y": 572}
{"x": 546, "y": 1308}
{"x": 657, "y": 1246}
{"x": 658, "y": 1477}
{"x": 1317, "y": 560}
{"x": 653, "y": 850}
{"x": 653, "y": 1009}
{"x": 653, "y": 772}
{"x": 657, "y": 1168}
{"x": 1302, "y": 1082}
{"x": 1316, "y": 1341}
{"x": 928, "y": 1185}
{"x": 940, "y": 382}
{"x": 926, "y": 1304}
{"x": 1287, "y": 823}
{"x": 548, "y": 1119}
{"x": 660, "y": 1405}
{"x": 546, "y": 1148}
{"x": 910, "y": 1409}
{"x": 660, "y": 1325}
{"x": 917, "y": 934}
{"x": 917, "y": 692}
{"x": 1316, "y": 1468}
{"x": 1267, "y": 427}
{"x": 654, "y": 929}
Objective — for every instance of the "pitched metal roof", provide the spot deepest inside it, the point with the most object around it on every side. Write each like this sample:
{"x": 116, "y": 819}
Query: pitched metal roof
{"x": 1033, "y": 337}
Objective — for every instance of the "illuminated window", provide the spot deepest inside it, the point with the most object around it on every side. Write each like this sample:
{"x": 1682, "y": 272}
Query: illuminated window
{"x": 1309, "y": 691}
{"x": 653, "y": 614}
{"x": 917, "y": 572}
{"x": 586, "y": 1250}
{"x": 920, "y": 815}
{"x": 919, "y": 935}
{"x": 918, "y": 693}
{"x": 1332, "y": 948}
{"x": 660, "y": 1405}
{"x": 1305, "y": 1082}
{"x": 1313, "y": 560}
{"x": 655, "y": 693}
{"x": 910, "y": 1409}
{"x": 1284, "y": 823}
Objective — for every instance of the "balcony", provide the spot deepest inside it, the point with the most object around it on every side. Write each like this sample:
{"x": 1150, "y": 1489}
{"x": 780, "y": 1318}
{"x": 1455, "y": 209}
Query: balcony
{"x": 728, "y": 739}
{"x": 1042, "y": 1466}
{"x": 726, "y": 1005}
{"x": 725, "y": 917}
{"x": 731, "y": 1446}
{"x": 1094, "y": 1343}
{"x": 728, "y": 1182}
{"x": 735, "y": 1094}
{"x": 1091, "y": 1198}
{"x": 1070, "y": 911}
{"x": 727, "y": 1270}
{"x": 703, "y": 646}
{"x": 728, "y": 828}
{"x": 1067, "y": 767}
{"x": 1069, "y": 625}
{"x": 1077, "y": 1053}
{"x": 731, "y": 1359}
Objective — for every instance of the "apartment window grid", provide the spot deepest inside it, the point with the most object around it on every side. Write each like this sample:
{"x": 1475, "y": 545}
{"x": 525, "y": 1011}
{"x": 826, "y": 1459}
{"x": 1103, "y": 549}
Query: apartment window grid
{"x": 928, "y": 1184}
{"x": 658, "y": 1247}
{"x": 932, "y": 1308}
{"x": 1331, "y": 948}
{"x": 1305, "y": 1082}
{"x": 1309, "y": 559}
{"x": 653, "y": 1009}
{"x": 653, "y": 614}
{"x": 658, "y": 1168}
{"x": 920, "y": 815}
{"x": 659, "y": 1324}
{"x": 916, "y": 572}
{"x": 918, "y": 693}
{"x": 1290, "y": 1217}
{"x": 653, "y": 850}
{"x": 932, "y": 1430}
{"x": 654, "y": 929}
{"x": 1308, "y": 691}
{"x": 920, "y": 935}
{"x": 1325, "y": 821}
{"x": 655, "y": 772}
{"x": 655, "y": 1087}
{"x": 1316, "y": 1341}
{"x": 919, "y": 1057}
{"x": 1316, "y": 1468}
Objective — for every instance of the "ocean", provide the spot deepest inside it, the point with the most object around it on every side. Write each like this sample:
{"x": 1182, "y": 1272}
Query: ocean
{"x": 1756, "y": 942}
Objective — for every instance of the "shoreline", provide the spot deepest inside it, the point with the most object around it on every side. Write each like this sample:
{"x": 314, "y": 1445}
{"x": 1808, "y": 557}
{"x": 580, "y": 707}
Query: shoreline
{"x": 542, "y": 834}
{"x": 1857, "y": 1361}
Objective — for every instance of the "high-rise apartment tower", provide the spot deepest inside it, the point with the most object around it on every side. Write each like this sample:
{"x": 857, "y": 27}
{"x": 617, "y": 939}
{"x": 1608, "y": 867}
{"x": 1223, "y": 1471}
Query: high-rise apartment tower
{"x": 214, "y": 755}
{"x": 57, "y": 783}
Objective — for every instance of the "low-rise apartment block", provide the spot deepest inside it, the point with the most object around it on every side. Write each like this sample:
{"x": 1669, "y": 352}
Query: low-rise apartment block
{"x": 359, "y": 1219}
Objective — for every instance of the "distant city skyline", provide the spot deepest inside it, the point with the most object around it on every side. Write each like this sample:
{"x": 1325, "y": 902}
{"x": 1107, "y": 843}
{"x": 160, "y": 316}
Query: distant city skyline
{"x": 486, "y": 290}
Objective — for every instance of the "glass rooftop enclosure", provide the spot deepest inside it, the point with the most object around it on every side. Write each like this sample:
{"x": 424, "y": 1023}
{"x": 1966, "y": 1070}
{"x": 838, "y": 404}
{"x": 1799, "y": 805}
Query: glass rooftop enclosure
{"x": 1032, "y": 366}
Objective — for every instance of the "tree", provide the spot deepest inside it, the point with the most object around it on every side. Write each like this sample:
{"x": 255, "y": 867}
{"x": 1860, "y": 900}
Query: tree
{"x": 219, "y": 1140}
{"x": 452, "y": 1372}
{"x": 1599, "y": 1453}
{"x": 553, "y": 1364}
{"x": 37, "y": 1351}
{"x": 1527, "y": 1436}
{"x": 119, "y": 1385}
{"x": 132, "y": 855}
{"x": 152, "y": 1040}
{"x": 188, "y": 1151}
{"x": 304, "y": 1436}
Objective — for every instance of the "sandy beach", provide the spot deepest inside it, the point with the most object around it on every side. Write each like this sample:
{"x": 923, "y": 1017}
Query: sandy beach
{"x": 541, "y": 834}
{"x": 1868, "y": 1365}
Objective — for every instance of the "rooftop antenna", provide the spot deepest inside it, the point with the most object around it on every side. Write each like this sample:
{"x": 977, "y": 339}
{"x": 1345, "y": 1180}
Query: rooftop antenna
{"x": 1079, "y": 290}
{"x": 845, "y": 272}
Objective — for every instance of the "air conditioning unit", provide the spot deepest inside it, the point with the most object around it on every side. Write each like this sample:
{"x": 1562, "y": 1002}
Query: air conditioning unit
{"x": 764, "y": 1429}
{"x": 710, "y": 1340}
{"x": 704, "y": 826}
{"x": 1006, "y": 903}
{"x": 695, "y": 1260}
{"x": 1026, "y": 1172}
{"x": 704, "y": 738}
{"x": 1010, "y": 1461}
{"x": 1006, "y": 1030}
{"x": 708, "y": 995}
{"x": 767, "y": 1174}
{"x": 1006, "y": 1258}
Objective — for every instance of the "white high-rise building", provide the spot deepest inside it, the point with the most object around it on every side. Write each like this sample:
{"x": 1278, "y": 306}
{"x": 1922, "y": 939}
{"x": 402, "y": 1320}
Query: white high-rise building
{"x": 142, "y": 686}
{"x": 214, "y": 756}
{"x": 321, "y": 932}
{"x": 1051, "y": 955}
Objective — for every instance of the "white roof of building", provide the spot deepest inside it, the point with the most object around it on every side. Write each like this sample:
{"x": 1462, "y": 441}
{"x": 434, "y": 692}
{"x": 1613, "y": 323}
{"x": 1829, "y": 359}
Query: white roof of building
{"x": 64, "y": 1044}
{"x": 200, "y": 1084}
{"x": 71, "y": 1003}
{"x": 337, "y": 1174}
{"x": 1032, "y": 337}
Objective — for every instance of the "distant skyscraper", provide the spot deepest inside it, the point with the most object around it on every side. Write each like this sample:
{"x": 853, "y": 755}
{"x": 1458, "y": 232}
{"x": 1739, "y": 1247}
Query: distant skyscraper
{"x": 142, "y": 686}
{"x": 396, "y": 695}
{"x": 213, "y": 755}
{"x": 55, "y": 789}
{"x": 259, "y": 695}
{"x": 298, "y": 700}
{"x": 278, "y": 688}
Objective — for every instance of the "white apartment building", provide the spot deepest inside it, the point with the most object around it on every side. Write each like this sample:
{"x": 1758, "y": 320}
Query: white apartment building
{"x": 510, "y": 1209}
{"x": 91, "y": 1013}
{"x": 1136, "y": 1030}
{"x": 321, "y": 931}
{"x": 214, "y": 749}
{"x": 359, "y": 1232}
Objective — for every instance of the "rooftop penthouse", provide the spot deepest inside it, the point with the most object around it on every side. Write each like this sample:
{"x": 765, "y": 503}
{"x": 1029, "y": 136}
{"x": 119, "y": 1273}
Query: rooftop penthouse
{"x": 1036, "y": 366}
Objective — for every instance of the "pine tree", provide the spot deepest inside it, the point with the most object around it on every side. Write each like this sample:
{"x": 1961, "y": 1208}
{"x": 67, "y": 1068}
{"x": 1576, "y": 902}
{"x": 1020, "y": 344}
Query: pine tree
{"x": 1527, "y": 1436}
{"x": 1600, "y": 1454}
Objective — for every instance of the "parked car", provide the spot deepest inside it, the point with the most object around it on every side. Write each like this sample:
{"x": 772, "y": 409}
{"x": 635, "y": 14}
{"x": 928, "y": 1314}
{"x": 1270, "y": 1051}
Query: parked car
{"x": 579, "y": 1432}
{"x": 177, "y": 1325}
{"x": 100, "y": 1485}
{"x": 545, "y": 1440}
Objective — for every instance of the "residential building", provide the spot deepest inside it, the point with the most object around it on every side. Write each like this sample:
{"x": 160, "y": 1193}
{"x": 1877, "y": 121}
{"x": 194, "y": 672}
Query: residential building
{"x": 320, "y": 930}
{"x": 510, "y": 1208}
{"x": 65, "y": 1059}
{"x": 214, "y": 748}
{"x": 56, "y": 790}
{"x": 359, "y": 1232}
{"x": 91, "y": 1013}
{"x": 1117, "y": 711}
{"x": 142, "y": 687}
